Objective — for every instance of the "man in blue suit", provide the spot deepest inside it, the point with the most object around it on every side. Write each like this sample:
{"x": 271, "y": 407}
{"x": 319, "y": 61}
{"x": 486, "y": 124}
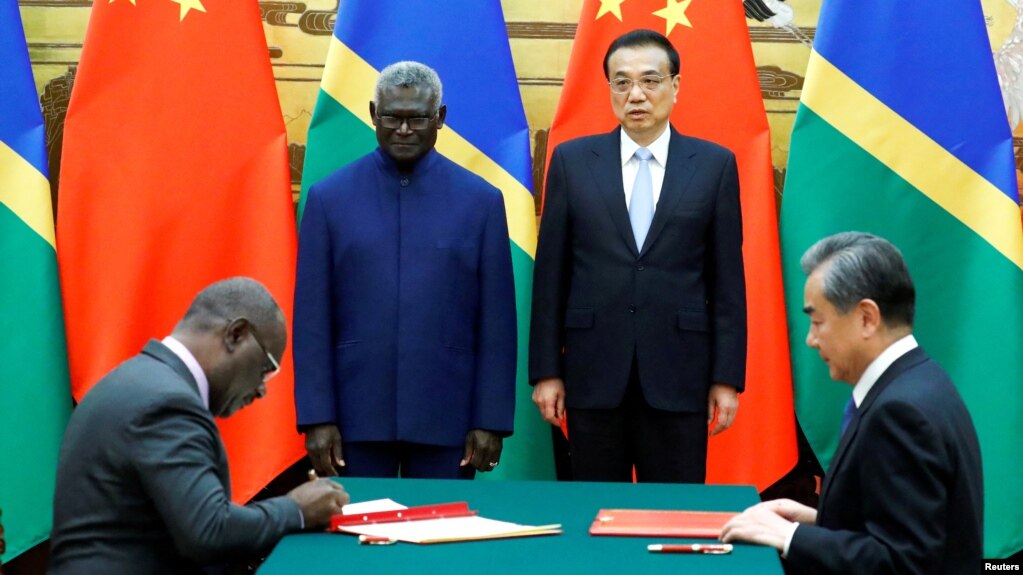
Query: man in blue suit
{"x": 405, "y": 337}
{"x": 639, "y": 301}
{"x": 904, "y": 492}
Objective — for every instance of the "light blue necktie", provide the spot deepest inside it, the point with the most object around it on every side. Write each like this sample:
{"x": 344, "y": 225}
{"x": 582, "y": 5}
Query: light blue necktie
{"x": 641, "y": 208}
{"x": 850, "y": 412}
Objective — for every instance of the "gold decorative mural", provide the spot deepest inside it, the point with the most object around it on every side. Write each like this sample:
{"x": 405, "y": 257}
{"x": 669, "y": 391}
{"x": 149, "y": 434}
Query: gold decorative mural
{"x": 540, "y": 32}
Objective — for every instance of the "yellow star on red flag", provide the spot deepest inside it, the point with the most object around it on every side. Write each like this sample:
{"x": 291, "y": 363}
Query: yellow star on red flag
{"x": 674, "y": 14}
{"x": 613, "y": 7}
{"x": 187, "y": 5}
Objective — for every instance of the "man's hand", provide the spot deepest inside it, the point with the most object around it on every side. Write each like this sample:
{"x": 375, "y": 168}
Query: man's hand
{"x": 549, "y": 397}
{"x": 482, "y": 450}
{"x": 723, "y": 399}
{"x": 763, "y": 525}
{"x": 792, "y": 510}
{"x": 323, "y": 444}
{"x": 318, "y": 500}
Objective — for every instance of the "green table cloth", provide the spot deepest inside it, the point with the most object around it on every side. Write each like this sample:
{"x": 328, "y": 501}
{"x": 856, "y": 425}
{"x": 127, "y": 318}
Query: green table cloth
{"x": 572, "y": 504}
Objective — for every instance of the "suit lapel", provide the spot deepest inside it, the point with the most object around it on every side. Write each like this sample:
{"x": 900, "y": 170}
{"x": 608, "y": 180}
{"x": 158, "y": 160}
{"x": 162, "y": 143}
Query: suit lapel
{"x": 909, "y": 359}
{"x": 836, "y": 463}
{"x": 896, "y": 369}
{"x": 677, "y": 174}
{"x": 605, "y": 165}
{"x": 161, "y": 352}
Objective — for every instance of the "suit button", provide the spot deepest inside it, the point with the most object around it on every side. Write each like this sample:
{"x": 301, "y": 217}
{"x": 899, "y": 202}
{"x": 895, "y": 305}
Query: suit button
{"x": 640, "y": 267}
{"x": 632, "y": 309}
{"x": 404, "y": 182}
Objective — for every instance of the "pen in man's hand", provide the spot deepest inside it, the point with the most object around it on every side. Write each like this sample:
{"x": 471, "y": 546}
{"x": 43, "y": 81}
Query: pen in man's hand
{"x": 706, "y": 548}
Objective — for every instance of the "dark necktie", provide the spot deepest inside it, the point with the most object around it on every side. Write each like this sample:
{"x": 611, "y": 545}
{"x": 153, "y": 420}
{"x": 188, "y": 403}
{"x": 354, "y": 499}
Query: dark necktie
{"x": 848, "y": 414}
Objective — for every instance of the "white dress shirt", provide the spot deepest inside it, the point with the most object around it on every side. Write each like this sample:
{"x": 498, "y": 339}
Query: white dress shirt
{"x": 630, "y": 164}
{"x": 881, "y": 364}
{"x": 192, "y": 364}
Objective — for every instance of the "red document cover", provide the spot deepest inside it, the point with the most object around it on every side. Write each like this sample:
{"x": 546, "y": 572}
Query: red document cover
{"x": 654, "y": 523}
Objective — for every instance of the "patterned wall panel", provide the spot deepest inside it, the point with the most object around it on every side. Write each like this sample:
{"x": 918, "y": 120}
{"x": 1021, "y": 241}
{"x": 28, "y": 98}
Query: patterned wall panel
{"x": 540, "y": 32}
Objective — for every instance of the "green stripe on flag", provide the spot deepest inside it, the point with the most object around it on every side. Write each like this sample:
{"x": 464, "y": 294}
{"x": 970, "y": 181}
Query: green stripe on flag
{"x": 528, "y": 453}
{"x": 968, "y": 297}
{"x": 336, "y": 137}
{"x": 35, "y": 397}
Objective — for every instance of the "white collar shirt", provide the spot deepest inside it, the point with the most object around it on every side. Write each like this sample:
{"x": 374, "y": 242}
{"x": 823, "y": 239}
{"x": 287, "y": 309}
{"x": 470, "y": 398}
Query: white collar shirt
{"x": 881, "y": 364}
{"x": 630, "y": 164}
{"x": 193, "y": 366}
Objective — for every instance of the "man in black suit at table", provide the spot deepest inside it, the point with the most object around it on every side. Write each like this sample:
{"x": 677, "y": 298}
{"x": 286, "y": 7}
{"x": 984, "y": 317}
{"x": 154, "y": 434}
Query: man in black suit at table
{"x": 904, "y": 492}
{"x": 639, "y": 298}
{"x": 142, "y": 482}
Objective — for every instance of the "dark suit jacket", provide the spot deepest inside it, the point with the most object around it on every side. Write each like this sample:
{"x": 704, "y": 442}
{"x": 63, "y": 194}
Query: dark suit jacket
{"x": 142, "y": 482}
{"x": 405, "y": 304}
{"x": 904, "y": 492}
{"x": 678, "y": 305}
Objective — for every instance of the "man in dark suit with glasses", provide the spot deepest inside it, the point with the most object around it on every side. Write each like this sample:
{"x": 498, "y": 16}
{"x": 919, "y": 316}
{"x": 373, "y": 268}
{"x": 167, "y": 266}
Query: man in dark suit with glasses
{"x": 639, "y": 301}
{"x": 142, "y": 481}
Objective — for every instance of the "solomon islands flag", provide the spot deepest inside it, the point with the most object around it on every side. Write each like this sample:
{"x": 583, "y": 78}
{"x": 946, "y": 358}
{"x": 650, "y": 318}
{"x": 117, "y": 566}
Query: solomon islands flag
{"x": 901, "y": 132}
{"x": 35, "y": 393}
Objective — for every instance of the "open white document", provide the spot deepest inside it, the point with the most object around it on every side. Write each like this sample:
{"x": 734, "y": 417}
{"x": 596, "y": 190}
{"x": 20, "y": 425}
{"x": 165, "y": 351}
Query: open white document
{"x": 439, "y": 530}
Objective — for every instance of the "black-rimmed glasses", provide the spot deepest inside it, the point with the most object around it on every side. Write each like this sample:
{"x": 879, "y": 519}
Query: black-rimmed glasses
{"x": 414, "y": 123}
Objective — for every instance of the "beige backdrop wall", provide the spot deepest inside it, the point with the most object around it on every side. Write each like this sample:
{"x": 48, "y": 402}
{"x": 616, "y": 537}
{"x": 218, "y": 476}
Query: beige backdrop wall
{"x": 540, "y": 32}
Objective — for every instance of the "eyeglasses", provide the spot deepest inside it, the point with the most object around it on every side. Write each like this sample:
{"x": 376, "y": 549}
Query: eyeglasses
{"x": 414, "y": 123}
{"x": 269, "y": 371}
{"x": 650, "y": 83}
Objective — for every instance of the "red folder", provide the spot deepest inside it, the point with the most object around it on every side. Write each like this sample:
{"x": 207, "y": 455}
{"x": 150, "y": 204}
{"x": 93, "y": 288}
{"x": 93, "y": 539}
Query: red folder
{"x": 654, "y": 523}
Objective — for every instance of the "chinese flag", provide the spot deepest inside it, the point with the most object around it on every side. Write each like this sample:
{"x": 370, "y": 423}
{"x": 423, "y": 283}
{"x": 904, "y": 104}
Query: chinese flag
{"x": 175, "y": 175}
{"x": 719, "y": 100}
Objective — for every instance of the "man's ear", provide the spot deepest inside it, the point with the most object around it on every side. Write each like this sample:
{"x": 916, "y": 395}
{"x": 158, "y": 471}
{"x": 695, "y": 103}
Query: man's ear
{"x": 235, "y": 333}
{"x": 870, "y": 316}
{"x": 442, "y": 113}
{"x": 372, "y": 110}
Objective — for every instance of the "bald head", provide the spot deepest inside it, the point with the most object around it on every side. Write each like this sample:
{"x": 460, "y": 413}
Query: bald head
{"x": 237, "y": 333}
{"x": 230, "y": 299}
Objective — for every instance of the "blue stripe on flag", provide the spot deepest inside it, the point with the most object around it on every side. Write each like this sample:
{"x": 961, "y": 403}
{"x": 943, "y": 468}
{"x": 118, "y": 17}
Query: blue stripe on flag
{"x": 483, "y": 101}
{"x": 22, "y": 126}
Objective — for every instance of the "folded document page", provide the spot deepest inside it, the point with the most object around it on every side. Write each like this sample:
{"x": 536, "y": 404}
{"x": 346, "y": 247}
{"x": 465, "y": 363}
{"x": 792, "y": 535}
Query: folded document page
{"x": 443, "y": 523}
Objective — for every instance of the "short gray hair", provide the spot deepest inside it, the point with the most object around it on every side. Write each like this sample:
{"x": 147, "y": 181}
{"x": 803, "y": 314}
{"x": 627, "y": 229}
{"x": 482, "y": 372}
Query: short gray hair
{"x": 409, "y": 74}
{"x": 231, "y": 299}
{"x": 863, "y": 266}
